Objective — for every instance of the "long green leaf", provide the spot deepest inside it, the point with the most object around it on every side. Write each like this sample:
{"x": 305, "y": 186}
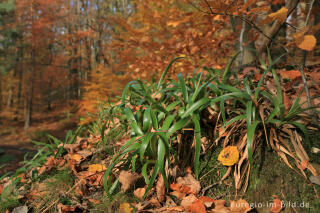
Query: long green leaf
{"x": 165, "y": 72}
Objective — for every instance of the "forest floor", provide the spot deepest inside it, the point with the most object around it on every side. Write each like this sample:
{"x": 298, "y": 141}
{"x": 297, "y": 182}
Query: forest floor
{"x": 71, "y": 180}
{"x": 15, "y": 141}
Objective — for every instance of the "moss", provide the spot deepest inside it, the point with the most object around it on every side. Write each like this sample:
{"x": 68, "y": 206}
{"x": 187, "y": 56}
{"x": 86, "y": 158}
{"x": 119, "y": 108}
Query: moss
{"x": 273, "y": 177}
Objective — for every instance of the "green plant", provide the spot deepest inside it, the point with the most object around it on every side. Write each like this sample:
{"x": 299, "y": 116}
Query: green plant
{"x": 163, "y": 110}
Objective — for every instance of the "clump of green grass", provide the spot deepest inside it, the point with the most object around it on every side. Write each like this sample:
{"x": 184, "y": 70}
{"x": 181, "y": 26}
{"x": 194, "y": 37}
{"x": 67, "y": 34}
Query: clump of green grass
{"x": 156, "y": 113}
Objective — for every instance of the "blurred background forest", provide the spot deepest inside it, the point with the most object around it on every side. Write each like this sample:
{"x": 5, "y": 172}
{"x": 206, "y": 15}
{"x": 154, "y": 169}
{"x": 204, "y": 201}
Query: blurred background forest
{"x": 69, "y": 55}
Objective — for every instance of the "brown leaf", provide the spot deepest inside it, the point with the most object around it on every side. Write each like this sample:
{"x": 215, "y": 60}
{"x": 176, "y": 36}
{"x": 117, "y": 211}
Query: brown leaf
{"x": 175, "y": 209}
{"x": 155, "y": 202}
{"x": 191, "y": 182}
{"x": 178, "y": 195}
{"x": 139, "y": 192}
{"x": 220, "y": 207}
{"x": 207, "y": 201}
{"x": 197, "y": 207}
{"x": 188, "y": 200}
{"x": 240, "y": 206}
{"x": 65, "y": 208}
{"x": 127, "y": 179}
{"x": 160, "y": 188}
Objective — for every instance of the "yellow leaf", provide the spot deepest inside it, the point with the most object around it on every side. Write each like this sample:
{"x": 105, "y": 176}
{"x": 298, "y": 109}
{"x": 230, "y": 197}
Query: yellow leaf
{"x": 173, "y": 23}
{"x": 308, "y": 43}
{"x": 229, "y": 156}
{"x": 280, "y": 15}
{"x": 77, "y": 157}
{"x": 96, "y": 168}
{"x": 125, "y": 208}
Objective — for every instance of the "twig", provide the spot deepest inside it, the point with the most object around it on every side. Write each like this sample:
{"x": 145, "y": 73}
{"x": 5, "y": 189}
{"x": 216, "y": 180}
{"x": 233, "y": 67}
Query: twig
{"x": 303, "y": 75}
{"x": 208, "y": 187}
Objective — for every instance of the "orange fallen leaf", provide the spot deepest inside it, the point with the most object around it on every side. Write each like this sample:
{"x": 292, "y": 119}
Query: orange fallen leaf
{"x": 197, "y": 207}
{"x": 280, "y": 15}
{"x": 191, "y": 182}
{"x": 207, "y": 201}
{"x": 76, "y": 157}
{"x": 229, "y": 156}
{"x": 181, "y": 188}
{"x": 276, "y": 206}
{"x": 308, "y": 43}
{"x": 96, "y": 168}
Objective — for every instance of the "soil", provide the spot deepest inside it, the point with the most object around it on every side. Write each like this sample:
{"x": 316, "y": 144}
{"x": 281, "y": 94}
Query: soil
{"x": 15, "y": 141}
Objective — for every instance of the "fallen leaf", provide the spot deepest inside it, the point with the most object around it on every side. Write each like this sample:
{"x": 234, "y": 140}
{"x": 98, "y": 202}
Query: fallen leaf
{"x": 315, "y": 179}
{"x": 197, "y": 207}
{"x": 276, "y": 206}
{"x": 229, "y": 156}
{"x": 280, "y": 15}
{"x": 178, "y": 195}
{"x": 219, "y": 207}
{"x": 240, "y": 206}
{"x": 127, "y": 179}
{"x": 139, "y": 192}
{"x": 207, "y": 201}
{"x": 188, "y": 200}
{"x": 65, "y": 208}
{"x": 190, "y": 182}
{"x": 96, "y": 168}
{"x": 76, "y": 157}
{"x": 155, "y": 202}
{"x": 125, "y": 208}
{"x": 308, "y": 43}
{"x": 160, "y": 188}
{"x": 175, "y": 209}
{"x": 181, "y": 188}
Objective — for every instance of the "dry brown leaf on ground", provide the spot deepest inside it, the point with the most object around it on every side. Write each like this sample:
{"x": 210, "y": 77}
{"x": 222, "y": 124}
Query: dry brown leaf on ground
{"x": 65, "y": 208}
{"x": 240, "y": 206}
{"x": 160, "y": 188}
{"x": 207, "y": 201}
{"x": 127, "y": 179}
{"x": 219, "y": 207}
{"x": 188, "y": 200}
{"x": 155, "y": 202}
{"x": 191, "y": 182}
{"x": 139, "y": 192}
{"x": 178, "y": 195}
{"x": 197, "y": 207}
